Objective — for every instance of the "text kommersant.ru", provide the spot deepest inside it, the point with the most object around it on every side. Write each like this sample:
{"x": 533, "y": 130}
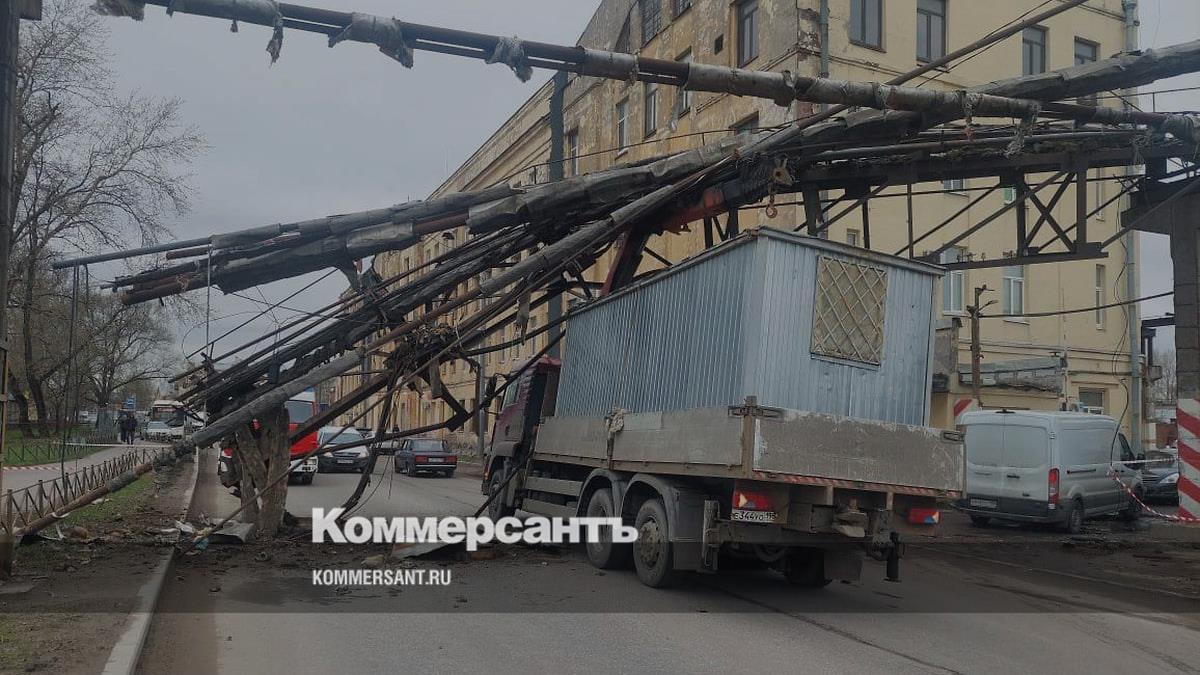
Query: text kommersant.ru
{"x": 474, "y": 531}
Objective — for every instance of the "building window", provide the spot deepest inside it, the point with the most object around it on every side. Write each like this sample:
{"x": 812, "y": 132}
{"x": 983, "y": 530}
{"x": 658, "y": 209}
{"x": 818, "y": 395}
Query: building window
{"x": 623, "y": 126}
{"x": 1033, "y": 51}
{"x": 866, "y": 21}
{"x": 683, "y": 102}
{"x": 651, "y": 18}
{"x": 681, "y": 6}
{"x": 954, "y": 185}
{"x": 931, "y": 29}
{"x": 954, "y": 284}
{"x": 747, "y": 24}
{"x": 1014, "y": 290}
{"x": 1101, "y": 295}
{"x": 1091, "y": 401}
{"x": 572, "y": 153}
{"x": 1086, "y": 52}
{"x": 852, "y": 237}
{"x": 650, "y": 107}
{"x": 746, "y": 127}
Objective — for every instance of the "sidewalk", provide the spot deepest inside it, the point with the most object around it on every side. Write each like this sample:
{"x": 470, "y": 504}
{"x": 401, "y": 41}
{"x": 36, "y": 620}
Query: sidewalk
{"x": 70, "y": 601}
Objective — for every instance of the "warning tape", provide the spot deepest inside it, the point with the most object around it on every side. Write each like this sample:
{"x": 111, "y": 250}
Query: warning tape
{"x": 1145, "y": 508}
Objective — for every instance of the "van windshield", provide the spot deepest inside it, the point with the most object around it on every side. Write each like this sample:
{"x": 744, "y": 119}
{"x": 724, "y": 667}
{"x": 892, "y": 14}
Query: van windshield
{"x": 1001, "y": 445}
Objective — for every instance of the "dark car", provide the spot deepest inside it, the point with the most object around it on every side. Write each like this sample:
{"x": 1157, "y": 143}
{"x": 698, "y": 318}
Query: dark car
{"x": 350, "y": 459}
{"x": 1160, "y": 479}
{"x": 432, "y": 455}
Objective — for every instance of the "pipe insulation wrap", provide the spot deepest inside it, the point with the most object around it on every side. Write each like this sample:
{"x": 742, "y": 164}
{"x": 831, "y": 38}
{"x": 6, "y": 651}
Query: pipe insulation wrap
{"x": 759, "y": 83}
{"x": 613, "y": 65}
{"x": 261, "y": 12}
{"x": 382, "y": 32}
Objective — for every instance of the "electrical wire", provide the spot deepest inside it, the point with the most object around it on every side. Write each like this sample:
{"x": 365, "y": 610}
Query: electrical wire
{"x": 1078, "y": 310}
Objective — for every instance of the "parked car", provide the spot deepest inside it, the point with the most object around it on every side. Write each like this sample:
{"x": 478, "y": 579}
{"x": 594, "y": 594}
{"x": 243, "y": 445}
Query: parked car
{"x": 350, "y": 459}
{"x": 157, "y": 431}
{"x": 389, "y": 447}
{"x": 425, "y": 454}
{"x": 1160, "y": 479}
{"x": 1047, "y": 467}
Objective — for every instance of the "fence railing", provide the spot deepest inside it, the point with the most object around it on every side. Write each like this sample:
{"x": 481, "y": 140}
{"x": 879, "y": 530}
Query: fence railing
{"x": 27, "y": 451}
{"x": 23, "y": 506}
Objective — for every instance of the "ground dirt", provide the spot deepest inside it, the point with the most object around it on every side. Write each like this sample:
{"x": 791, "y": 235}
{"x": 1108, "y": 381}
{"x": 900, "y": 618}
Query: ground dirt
{"x": 72, "y": 591}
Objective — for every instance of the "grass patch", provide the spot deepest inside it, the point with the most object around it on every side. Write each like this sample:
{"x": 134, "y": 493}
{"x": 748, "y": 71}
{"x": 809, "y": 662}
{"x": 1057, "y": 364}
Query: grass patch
{"x": 123, "y": 502}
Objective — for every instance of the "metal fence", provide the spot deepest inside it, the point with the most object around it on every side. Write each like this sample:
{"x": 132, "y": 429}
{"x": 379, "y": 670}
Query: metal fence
{"x": 50, "y": 450}
{"x": 21, "y": 507}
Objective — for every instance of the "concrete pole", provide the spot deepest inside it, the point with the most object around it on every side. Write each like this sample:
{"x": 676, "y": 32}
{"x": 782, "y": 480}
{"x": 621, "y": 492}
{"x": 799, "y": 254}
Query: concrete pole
{"x": 1132, "y": 313}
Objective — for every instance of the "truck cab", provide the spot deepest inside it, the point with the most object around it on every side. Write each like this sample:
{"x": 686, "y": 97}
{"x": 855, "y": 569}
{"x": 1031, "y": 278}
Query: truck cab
{"x": 527, "y": 401}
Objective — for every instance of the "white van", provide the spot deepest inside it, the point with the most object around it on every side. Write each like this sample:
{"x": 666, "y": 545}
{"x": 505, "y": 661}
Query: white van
{"x": 1046, "y": 467}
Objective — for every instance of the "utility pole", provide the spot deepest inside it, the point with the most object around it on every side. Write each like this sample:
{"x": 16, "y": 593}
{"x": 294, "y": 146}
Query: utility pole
{"x": 976, "y": 311}
{"x": 11, "y": 13}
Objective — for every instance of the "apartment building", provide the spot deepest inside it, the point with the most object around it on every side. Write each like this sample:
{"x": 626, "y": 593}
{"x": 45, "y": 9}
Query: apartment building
{"x": 1034, "y": 358}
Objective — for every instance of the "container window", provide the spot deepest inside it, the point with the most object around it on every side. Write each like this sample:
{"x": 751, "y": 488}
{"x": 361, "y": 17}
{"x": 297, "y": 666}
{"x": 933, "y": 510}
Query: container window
{"x": 849, "y": 310}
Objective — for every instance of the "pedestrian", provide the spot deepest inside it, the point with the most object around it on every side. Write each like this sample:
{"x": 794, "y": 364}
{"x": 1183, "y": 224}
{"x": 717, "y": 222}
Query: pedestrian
{"x": 128, "y": 428}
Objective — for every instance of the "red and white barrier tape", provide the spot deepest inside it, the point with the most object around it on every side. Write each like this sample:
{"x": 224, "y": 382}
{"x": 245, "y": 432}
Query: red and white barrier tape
{"x": 1145, "y": 508}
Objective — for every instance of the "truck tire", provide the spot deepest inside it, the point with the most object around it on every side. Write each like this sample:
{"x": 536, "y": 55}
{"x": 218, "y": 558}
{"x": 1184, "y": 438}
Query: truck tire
{"x": 498, "y": 509}
{"x": 652, "y": 553}
{"x": 981, "y": 521}
{"x": 805, "y": 567}
{"x": 605, "y": 554}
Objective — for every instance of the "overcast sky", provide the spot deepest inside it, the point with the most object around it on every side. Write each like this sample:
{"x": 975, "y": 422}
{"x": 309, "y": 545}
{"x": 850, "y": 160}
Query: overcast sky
{"x": 328, "y": 131}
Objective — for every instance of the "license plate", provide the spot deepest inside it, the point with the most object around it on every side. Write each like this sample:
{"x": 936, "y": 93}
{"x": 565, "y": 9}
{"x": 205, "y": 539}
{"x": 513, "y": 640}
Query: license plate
{"x": 434, "y": 460}
{"x": 345, "y": 461}
{"x": 983, "y": 503}
{"x": 753, "y": 516}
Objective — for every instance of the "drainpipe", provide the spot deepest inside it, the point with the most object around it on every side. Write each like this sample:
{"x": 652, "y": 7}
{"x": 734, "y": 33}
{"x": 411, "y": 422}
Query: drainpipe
{"x": 557, "y": 162}
{"x": 1135, "y": 359}
{"x": 823, "y": 33}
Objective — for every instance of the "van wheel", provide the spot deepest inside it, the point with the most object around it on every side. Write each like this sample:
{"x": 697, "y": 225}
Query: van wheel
{"x": 1074, "y": 524}
{"x": 1134, "y": 511}
{"x": 981, "y": 521}
{"x": 605, "y": 554}
{"x": 805, "y": 567}
{"x": 652, "y": 554}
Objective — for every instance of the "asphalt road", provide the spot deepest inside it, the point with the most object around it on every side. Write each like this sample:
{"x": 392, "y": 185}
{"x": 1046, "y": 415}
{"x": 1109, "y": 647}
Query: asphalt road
{"x": 390, "y": 493}
{"x": 549, "y": 611}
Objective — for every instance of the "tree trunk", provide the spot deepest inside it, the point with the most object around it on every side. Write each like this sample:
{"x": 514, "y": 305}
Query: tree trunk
{"x": 32, "y": 380}
{"x": 263, "y": 456}
{"x": 22, "y": 401}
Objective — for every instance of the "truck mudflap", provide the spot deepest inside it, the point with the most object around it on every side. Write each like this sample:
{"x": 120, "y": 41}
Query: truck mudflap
{"x": 845, "y": 539}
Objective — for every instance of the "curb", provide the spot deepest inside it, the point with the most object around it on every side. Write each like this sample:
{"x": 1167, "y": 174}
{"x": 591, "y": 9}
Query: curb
{"x": 127, "y": 651}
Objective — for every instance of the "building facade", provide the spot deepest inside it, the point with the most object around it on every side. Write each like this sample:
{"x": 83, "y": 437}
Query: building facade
{"x": 1034, "y": 358}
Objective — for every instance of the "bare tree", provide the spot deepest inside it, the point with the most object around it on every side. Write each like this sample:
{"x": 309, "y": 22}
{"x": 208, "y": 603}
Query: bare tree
{"x": 124, "y": 346}
{"x": 1165, "y": 389}
{"x": 93, "y": 168}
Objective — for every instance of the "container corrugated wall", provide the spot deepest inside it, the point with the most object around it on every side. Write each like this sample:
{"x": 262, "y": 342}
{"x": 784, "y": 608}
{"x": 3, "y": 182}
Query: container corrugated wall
{"x": 738, "y": 323}
{"x": 668, "y": 345}
{"x": 782, "y": 371}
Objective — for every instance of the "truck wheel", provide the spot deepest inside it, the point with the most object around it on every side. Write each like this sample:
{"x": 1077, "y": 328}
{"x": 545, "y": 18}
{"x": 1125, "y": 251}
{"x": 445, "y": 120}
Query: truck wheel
{"x": 806, "y": 568}
{"x": 498, "y": 509}
{"x": 980, "y": 521}
{"x": 605, "y": 554}
{"x": 1074, "y": 524}
{"x": 652, "y": 554}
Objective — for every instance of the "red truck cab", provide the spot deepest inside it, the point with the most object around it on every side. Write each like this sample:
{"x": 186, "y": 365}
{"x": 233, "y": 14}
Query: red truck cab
{"x": 300, "y": 408}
